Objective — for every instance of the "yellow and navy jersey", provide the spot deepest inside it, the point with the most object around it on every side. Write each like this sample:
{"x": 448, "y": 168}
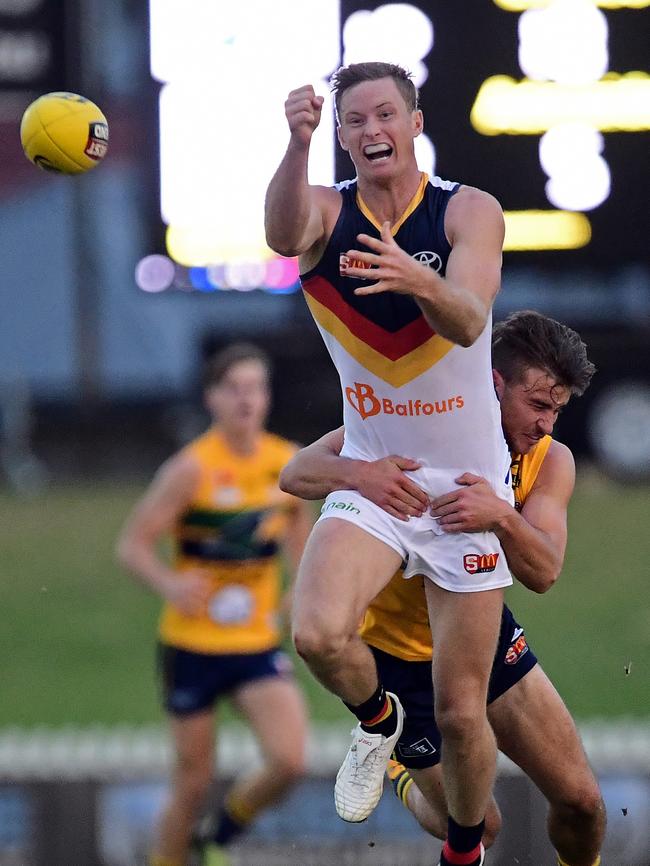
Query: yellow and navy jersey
{"x": 231, "y": 532}
{"x": 405, "y": 388}
{"x": 524, "y": 469}
{"x": 397, "y": 621}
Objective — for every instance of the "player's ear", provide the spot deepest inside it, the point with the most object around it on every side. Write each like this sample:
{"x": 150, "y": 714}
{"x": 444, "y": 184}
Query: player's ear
{"x": 418, "y": 123}
{"x": 211, "y": 399}
{"x": 341, "y": 138}
{"x": 499, "y": 383}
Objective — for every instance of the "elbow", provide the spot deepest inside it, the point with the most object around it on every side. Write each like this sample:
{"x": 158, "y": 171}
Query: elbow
{"x": 475, "y": 324}
{"x": 470, "y": 331}
{"x": 280, "y": 243}
{"x": 123, "y": 552}
{"x": 536, "y": 579}
{"x": 476, "y": 327}
{"x": 283, "y": 249}
{"x": 546, "y": 581}
{"x": 467, "y": 336}
{"x": 467, "y": 339}
{"x": 287, "y": 482}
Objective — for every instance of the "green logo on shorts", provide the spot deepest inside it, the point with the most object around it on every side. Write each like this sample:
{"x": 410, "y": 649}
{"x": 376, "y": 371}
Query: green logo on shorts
{"x": 340, "y": 506}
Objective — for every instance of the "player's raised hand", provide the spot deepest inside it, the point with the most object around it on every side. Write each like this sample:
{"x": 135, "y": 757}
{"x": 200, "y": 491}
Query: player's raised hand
{"x": 393, "y": 269}
{"x": 303, "y": 110}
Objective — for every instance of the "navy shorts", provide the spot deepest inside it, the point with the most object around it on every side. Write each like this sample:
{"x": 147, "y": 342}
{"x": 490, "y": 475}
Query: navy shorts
{"x": 419, "y": 744}
{"x": 192, "y": 682}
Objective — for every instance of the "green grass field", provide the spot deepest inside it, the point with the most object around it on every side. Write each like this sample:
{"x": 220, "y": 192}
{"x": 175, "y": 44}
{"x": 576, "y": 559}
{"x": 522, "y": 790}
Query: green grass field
{"x": 78, "y": 634}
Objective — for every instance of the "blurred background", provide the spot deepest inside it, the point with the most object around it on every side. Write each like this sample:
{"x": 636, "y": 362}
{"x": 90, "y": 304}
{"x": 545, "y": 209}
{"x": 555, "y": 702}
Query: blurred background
{"x": 117, "y": 285}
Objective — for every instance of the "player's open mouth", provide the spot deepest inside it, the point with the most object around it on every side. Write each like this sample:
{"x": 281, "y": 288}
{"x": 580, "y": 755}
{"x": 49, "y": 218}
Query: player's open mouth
{"x": 377, "y": 152}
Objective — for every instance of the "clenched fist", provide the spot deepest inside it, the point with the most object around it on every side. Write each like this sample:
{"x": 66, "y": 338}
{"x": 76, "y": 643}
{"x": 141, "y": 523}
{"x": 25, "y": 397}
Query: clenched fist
{"x": 303, "y": 110}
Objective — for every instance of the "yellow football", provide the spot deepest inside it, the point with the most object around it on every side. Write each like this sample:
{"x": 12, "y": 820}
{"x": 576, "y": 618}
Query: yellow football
{"x": 64, "y": 132}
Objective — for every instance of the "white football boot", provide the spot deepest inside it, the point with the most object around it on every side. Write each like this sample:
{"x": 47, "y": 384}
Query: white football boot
{"x": 360, "y": 780}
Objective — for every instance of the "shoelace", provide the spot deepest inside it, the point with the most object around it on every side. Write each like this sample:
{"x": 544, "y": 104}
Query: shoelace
{"x": 362, "y": 773}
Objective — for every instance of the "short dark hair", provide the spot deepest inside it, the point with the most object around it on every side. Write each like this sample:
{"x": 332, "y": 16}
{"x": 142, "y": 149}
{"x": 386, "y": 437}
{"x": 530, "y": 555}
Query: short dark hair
{"x": 528, "y": 339}
{"x": 220, "y": 363}
{"x": 348, "y": 76}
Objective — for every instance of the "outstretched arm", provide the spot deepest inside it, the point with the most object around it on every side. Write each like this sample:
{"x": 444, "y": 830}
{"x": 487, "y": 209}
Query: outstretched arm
{"x": 318, "y": 470}
{"x": 534, "y": 540}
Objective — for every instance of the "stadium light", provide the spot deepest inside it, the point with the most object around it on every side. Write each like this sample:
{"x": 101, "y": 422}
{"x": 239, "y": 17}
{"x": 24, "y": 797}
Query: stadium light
{"x": 523, "y": 5}
{"x": 617, "y": 103}
{"x": 219, "y": 142}
{"x": 546, "y": 230}
{"x": 565, "y": 42}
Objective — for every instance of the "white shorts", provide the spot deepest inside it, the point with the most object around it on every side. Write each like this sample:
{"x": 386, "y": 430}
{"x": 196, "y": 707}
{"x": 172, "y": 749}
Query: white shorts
{"x": 458, "y": 562}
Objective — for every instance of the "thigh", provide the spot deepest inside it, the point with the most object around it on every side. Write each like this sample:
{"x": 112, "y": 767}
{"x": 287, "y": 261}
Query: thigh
{"x": 465, "y": 629}
{"x": 514, "y": 657}
{"x": 535, "y": 730}
{"x": 193, "y": 739}
{"x": 275, "y": 709}
{"x": 343, "y": 568}
{"x": 419, "y": 744}
{"x": 191, "y": 682}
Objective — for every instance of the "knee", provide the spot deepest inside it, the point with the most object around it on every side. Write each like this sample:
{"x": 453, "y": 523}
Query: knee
{"x": 591, "y": 802}
{"x": 288, "y": 769}
{"x": 319, "y": 642}
{"x": 192, "y": 781}
{"x": 460, "y": 720}
{"x": 585, "y": 803}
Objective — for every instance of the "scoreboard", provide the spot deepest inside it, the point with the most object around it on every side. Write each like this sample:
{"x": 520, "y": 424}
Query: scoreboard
{"x": 544, "y": 103}
{"x": 547, "y": 106}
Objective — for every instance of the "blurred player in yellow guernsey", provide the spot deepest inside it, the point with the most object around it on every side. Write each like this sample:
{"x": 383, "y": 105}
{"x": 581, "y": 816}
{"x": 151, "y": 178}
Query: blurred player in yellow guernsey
{"x": 221, "y": 624}
{"x": 538, "y": 364}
